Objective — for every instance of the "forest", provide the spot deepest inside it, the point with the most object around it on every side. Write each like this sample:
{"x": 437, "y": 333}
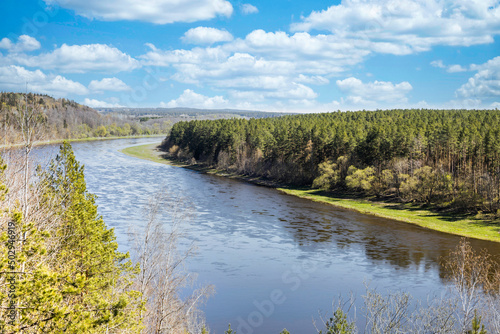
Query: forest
{"x": 66, "y": 119}
{"x": 445, "y": 158}
{"x": 191, "y": 113}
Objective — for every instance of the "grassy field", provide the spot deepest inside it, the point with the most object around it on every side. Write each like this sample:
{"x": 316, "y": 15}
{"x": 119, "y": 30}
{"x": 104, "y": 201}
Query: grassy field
{"x": 466, "y": 226}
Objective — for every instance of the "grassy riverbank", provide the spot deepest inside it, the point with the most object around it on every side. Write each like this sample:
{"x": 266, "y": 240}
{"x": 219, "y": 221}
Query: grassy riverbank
{"x": 467, "y": 226}
{"x": 146, "y": 152}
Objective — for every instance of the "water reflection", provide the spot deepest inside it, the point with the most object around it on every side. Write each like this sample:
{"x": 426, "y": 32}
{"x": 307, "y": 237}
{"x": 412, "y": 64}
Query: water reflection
{"x": 399, "y": 245}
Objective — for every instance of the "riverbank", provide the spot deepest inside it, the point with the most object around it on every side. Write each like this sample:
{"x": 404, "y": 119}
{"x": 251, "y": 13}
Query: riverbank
{"x": 59, "y": 141}
{"x": 467, "y": 226}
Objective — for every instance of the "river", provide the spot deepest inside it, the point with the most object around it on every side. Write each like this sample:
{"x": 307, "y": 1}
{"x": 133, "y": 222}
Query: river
{"x": 276, "y": 261}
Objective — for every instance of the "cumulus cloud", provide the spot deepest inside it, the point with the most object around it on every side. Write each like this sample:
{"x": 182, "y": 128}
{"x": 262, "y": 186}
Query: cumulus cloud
{"x": 24, "y": 43}
{"x": 93, "y": 103}
{"x": 14, "y": 78}
{"x": 438, "y": 63}
{"x": 449, "y": 68}
{"x": 108, "y": 84}
{"x": 205, "y": 35}
{"x": 303, "y": 46}
{"x": 81, "y": 59}
{"x": 409, "y": 26}
{"x": 156, "y": 11}
{"x": 485, "y": 83}
{"x": 248, "y": 9}
{"x": 190, "y": 99}
{"x": 373, "y": 93}
{"x": 456, "y": 69}
{"x": 300, "y": 53}
{"x": 263, "y": 65}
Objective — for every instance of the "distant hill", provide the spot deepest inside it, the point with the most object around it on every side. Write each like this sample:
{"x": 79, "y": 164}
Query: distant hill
{"x": 67, "y": 119}
{"x": 190, "y": 112}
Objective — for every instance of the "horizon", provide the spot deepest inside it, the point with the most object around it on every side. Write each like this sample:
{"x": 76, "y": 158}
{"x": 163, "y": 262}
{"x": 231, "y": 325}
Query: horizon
{"x": 281, "y": 56}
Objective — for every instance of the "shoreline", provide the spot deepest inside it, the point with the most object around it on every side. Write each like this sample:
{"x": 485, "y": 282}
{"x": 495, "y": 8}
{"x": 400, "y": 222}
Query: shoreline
{"x": 466, "y": 226}
{"x": 59, "y": 141}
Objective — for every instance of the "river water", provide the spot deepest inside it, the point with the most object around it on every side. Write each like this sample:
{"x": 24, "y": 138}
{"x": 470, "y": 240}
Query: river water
{"x": 276, "y": 261}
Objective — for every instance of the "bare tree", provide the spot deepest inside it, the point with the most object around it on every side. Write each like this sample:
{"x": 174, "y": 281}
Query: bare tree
{"x": 30, "y": 119}
{"x": 162, "y": 273}
{"x": 388, "y": 314}
{"x": 469, "y": 273}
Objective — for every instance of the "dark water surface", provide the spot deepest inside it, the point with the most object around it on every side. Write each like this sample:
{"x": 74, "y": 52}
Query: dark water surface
{"x": 275, "y": 260}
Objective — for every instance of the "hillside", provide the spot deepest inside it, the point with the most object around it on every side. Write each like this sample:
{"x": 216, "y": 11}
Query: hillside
{"x": 65, "y": 119}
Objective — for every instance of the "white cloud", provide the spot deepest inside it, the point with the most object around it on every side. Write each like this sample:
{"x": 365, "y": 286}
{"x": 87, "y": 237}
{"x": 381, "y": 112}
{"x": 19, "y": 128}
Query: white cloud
{"x": 14, "y": 78}
{"x": 303, "y": 46}
{"x": 81, "y": 59}
{"x": 438, "y": 63}
{"x": 449, "y": 68}
{"x": 373, "y": 93}
{"x": 300, "y": 53}
{"x": 485, "y": 83}
{"x": 456, "y": 69}
{"x": 205, "y": 35}
{"x": 190, "y": 99}
{"x": 314, "y": 80}
{"x": 24, "y": 43}
{"x": 267, "y": 66}
{"x": 108, "y": 84}
{"x": 248, "y": 9}
{"x": 262, "y": 65}
{"x": 100, "y": 104}
{"x": 154, "y": 11}
{"x": 409, "y": 26}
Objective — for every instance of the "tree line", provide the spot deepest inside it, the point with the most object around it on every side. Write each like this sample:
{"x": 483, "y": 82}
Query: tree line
{"x": 66, "y": 119}
{"x": 445, "y": 157}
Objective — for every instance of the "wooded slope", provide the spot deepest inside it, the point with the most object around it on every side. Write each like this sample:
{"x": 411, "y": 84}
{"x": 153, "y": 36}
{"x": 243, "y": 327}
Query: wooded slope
{"x": 431, "y": 156}
{"x": 65, "y": 119}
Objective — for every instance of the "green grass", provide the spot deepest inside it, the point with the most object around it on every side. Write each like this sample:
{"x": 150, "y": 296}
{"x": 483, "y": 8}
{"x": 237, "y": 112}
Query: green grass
{"x": 466, "y": 226}
{"x": 146, "y": 152}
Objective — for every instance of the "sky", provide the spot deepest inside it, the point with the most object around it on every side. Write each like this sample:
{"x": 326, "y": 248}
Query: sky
{"x": 278, "y": 55}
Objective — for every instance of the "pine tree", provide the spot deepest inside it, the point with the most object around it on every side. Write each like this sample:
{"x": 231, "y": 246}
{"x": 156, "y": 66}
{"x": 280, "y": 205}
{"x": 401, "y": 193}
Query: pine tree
{"x": 70, "y": 277}
{"x": 95, "y": 274}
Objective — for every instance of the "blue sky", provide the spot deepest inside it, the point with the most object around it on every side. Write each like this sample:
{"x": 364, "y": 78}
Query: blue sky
{"x": 280, "y": 55}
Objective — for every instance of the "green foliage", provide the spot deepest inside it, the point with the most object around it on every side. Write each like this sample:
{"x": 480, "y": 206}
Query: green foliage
{"x": 229, "y": 330}
{"x": 3, "y": 187}
{"x": 477, "y": 326}
{"x": 92, "y": 264}
{"x": 329, "y": 176}
{"x": 101, "y": 131}
{"x": 426, "y": 183}
{"x": 339, "y": 324}
{"x": 360, "y": 179}
{"x": 73, "y": 278}
{"x": 285, "y": 331}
